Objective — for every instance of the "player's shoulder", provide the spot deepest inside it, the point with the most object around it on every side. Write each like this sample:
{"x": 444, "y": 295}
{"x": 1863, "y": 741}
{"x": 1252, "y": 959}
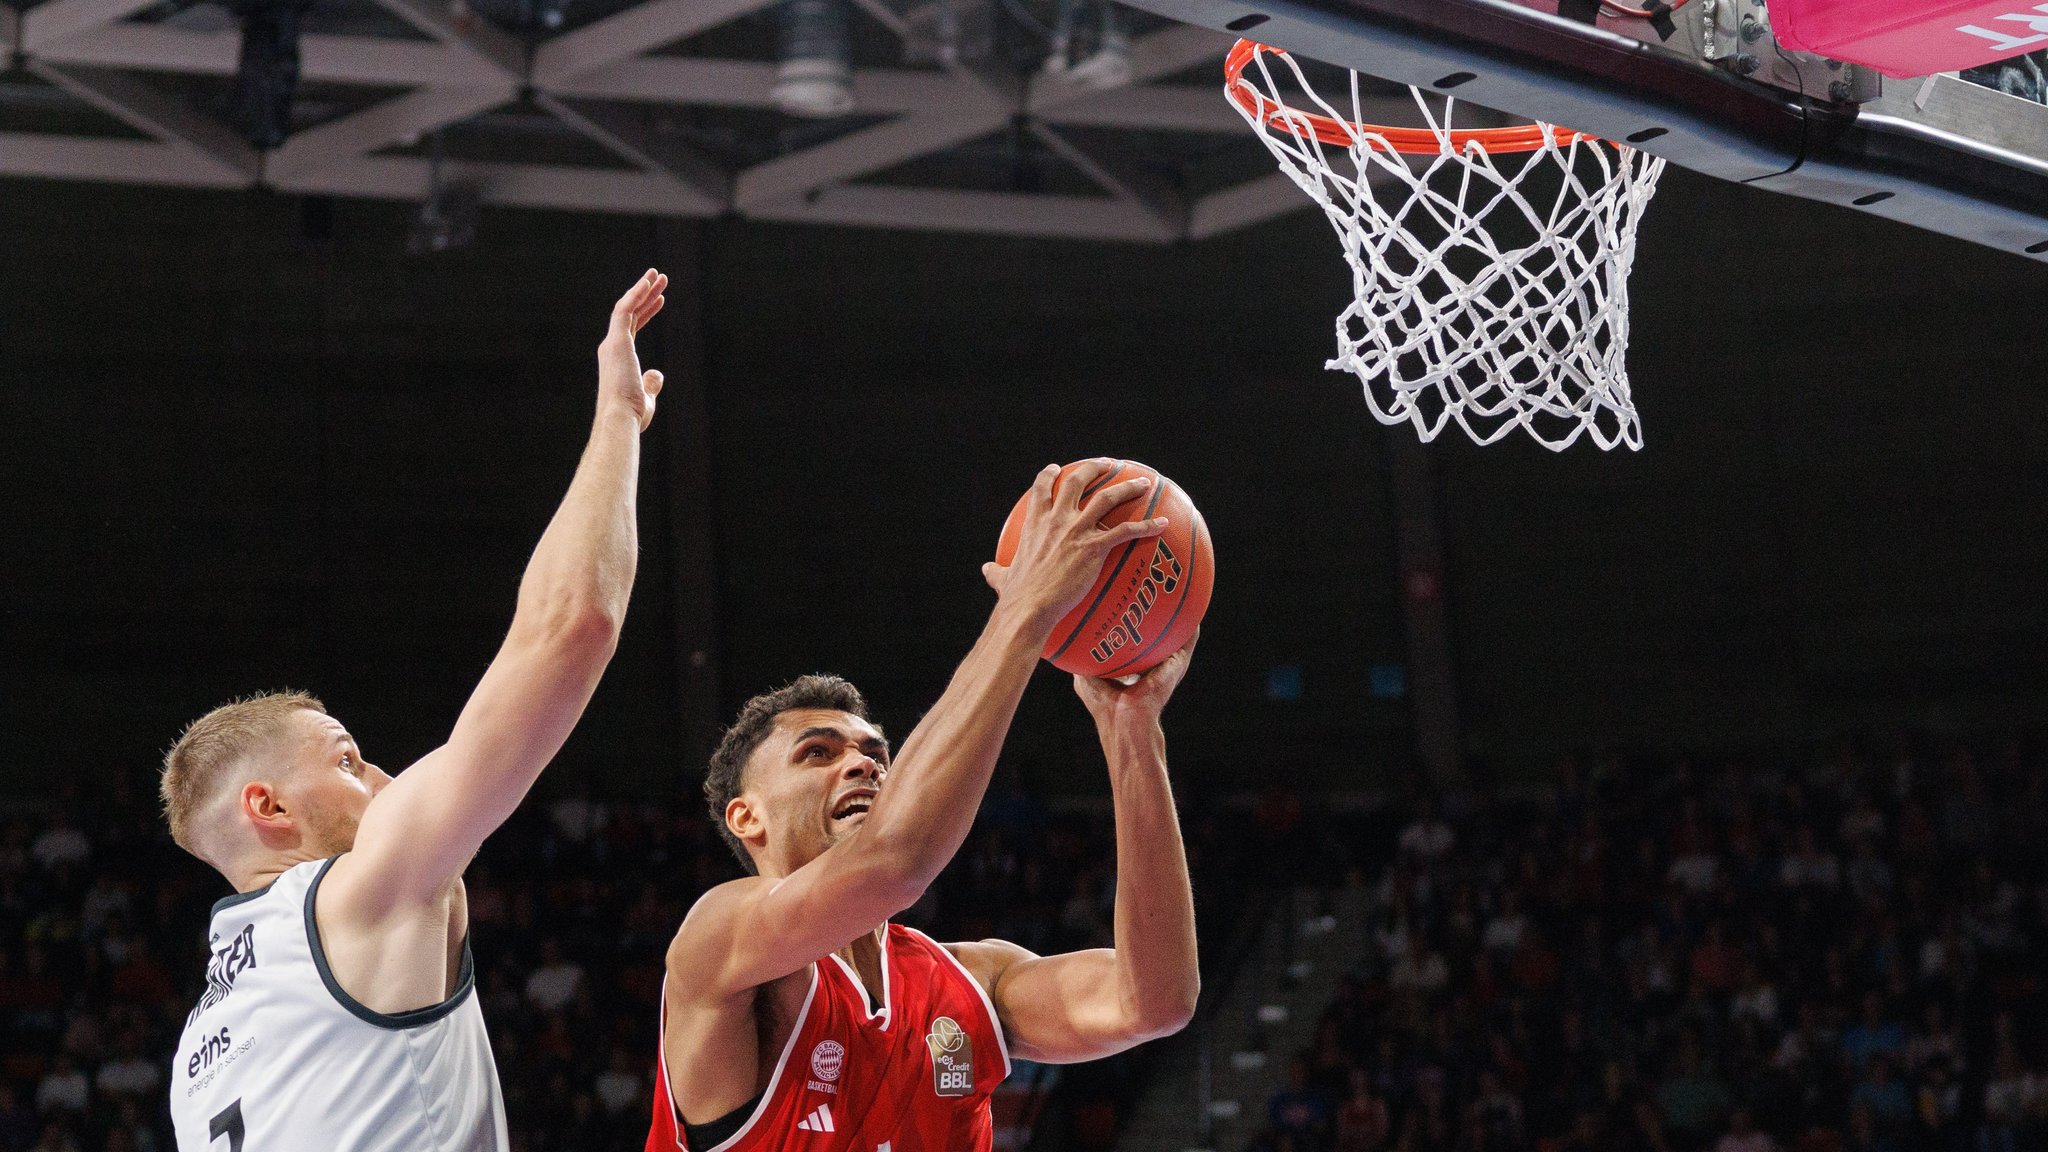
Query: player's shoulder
{"x": 710, "y": 924}
{"x": 985, "y": 960}
{"x": 354, "y": 889}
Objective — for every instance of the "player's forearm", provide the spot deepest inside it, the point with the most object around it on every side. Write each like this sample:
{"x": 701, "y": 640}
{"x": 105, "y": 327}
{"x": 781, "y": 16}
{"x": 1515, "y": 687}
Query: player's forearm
{"x": 937, "y": 780}
{"x": 581, "y": 574}
{"x": 1158, "y": 976}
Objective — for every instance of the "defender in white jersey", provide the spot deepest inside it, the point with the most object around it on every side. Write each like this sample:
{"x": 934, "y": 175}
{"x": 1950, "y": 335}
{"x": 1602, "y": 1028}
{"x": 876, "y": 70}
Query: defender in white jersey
{"x": 278, "y": 1049}
{"x": 339, "y": 1013}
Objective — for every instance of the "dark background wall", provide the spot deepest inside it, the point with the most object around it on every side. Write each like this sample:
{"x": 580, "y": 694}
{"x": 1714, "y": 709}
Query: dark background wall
{"x": 236, "y": 456}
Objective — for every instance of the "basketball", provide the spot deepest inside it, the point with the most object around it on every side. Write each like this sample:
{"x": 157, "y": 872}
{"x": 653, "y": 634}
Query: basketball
{"x": 1151, "y": 593}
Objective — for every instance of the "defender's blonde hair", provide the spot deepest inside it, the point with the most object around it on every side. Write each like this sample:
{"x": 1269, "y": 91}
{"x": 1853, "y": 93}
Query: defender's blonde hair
{"x": 198, "y": 763}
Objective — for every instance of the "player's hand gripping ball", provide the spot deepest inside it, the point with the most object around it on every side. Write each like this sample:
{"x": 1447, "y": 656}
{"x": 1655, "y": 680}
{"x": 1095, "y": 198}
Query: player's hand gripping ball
{"x": 1152, "y": 592}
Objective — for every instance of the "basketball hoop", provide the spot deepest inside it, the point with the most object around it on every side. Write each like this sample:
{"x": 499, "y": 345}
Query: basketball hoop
{"x": 1493, "y": 294}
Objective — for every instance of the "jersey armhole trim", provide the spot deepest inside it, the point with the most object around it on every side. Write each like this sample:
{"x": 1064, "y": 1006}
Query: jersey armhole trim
{"x": 667, "y": 1085}
{"x": 226, "y": 902}
{"x": 995, "y": 1022}
{"x": 465, "y": 976}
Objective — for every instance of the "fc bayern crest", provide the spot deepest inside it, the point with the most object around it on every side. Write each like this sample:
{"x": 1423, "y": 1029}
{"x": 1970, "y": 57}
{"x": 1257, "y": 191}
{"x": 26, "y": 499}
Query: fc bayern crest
{"x": 826, "y": 1060}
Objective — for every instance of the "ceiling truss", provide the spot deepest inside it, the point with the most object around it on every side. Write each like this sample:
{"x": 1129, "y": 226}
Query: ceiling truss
{"x": 453, "y": 69}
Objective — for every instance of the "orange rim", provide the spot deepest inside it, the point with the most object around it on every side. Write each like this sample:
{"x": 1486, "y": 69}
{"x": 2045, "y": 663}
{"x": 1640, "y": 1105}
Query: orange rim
{"x": 1344, "y": 134}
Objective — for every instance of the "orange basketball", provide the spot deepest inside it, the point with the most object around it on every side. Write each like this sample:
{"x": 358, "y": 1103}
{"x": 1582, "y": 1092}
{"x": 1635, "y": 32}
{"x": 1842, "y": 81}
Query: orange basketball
{"x": 1151, "y": 593}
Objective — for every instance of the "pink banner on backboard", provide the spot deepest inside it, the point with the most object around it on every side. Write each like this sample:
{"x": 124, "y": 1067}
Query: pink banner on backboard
{"x": 1907, "y": 38}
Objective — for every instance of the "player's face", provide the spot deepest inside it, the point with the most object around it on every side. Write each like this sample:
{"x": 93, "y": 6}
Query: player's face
{"x": 815, "y": 778}
{"x": 331, "y": 784}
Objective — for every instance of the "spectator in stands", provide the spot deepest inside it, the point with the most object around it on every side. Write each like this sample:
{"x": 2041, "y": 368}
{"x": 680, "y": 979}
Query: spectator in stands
{"x": 1299, "y": 1112}
{"x": 1495, "y": 1120}
{"x": 57, "y": 1137}
{"x": 555, "y": 983}
{"x": 1756, "y": 1000}
{"x": 1875, "y": 1036}
{"x": 1742, "y": 1135}
{"x": 1427, "y": 840}
{"x": 1692, "y": 1099}
{"x": 1504, "y": 931}
{"x": 133, "y": 1073}
{"x": 1890, "y": 1108}
{"x": 1363, "y": 1122}
{"x": 62, "y": 846}
{"x": 18, "y": 1125}
{"x": 1938, "y": 1110}
{"x": 1810, "y": 866}
{"x": 2006, "y": 1101}
{"x": 622, "y": 1087}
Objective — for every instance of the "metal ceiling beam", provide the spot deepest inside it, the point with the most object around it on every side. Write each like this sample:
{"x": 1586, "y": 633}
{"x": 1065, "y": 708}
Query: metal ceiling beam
{"x": 630, "y": 33}
{"x": 1120, "y": 178}
{"x": 640, "y": 193}
{"x": 674, "y": 80}
{"x": 522, "y": 185}
{"x": 970, "y": 114}
{"x": 1003, "y": 213}
{"x": 745, "y": 84}
{"x": 471, "y": 35}
{"x": 1166, "y": 107}
{"x": 368, "y": 60}
{"x": 47, "y": 24}
{"x": 641, "y": 149}
{"x": 880, "y": 12}
{"x": 134, "y": 103}
{"x": 1252, "y": 202}
{"x": 868, "y": 150}
{"x": 114, "y": 161}
{"x": 719, "y": 83}
{"x": 1177, "y": 48}
{"x": 410, "y": 117}
{"x": 470, "y": 67}
{"x": 401, "y": 118}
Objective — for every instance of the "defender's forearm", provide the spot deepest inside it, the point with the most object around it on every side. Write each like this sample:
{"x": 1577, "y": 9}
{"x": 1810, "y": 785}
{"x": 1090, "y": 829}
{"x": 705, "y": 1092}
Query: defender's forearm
{"x": 583, "y": 568}
{"x": 937, "y": 780}
{"x": 1157, "y": 971}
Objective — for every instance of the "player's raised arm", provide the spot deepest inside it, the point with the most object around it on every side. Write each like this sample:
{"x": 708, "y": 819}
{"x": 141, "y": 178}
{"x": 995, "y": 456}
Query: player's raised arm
{"x": 1091, "y": 1004}
{"x": 751, "y": 931}
{"x": 419, "y": 833}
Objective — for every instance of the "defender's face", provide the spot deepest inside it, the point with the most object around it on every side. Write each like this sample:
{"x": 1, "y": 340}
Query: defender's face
{"x": 330, "y": 784}
{"x": 812, "y": 781}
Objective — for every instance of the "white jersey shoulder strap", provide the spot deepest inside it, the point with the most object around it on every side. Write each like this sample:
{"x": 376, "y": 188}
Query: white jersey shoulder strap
{"x": 277, "y": 1057}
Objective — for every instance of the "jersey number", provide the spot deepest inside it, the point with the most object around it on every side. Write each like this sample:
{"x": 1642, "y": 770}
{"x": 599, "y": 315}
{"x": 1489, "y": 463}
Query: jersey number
{"x": 228, "y": 1124}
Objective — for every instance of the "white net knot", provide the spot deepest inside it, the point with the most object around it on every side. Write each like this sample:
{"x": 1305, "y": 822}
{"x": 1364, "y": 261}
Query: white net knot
{"x": 1490, "y": 290}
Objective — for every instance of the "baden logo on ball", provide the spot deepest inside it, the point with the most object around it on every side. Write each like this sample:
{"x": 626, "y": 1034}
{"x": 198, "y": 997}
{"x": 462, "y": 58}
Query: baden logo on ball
{"x": 1151, "y": 594}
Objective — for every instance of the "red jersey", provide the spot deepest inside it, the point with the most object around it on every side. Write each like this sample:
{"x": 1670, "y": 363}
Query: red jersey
{"x": 915, "y": 1075}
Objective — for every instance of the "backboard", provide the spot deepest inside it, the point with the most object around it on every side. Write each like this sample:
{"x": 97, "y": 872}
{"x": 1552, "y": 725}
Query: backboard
{"x": 1709, "y": 88}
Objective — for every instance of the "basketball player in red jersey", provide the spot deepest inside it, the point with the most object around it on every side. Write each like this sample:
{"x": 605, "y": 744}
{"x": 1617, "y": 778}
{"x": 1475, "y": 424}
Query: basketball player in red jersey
{"x": 795, "y": 1016}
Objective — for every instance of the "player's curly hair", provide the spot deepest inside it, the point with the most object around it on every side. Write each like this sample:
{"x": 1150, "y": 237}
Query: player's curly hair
{"x": 729, "y": 763}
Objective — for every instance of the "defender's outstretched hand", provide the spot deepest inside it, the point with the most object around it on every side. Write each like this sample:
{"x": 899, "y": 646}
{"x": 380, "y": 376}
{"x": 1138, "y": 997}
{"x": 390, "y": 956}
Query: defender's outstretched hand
{"x": 1063, "y": 543}
{"x": 1143, "y": 698}
{"x": 619, "y": 378}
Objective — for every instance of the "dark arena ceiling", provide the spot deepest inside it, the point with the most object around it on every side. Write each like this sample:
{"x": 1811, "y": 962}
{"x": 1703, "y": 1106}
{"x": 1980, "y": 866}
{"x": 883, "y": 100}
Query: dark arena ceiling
{"x": 1111, "y": 130}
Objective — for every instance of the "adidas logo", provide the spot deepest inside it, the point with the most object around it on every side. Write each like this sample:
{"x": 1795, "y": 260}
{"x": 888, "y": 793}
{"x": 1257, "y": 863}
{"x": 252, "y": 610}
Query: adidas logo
{"x": 820, "y": 1120}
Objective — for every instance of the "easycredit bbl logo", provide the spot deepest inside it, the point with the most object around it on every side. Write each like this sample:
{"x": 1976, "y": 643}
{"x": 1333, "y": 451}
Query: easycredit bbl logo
{"x": 952, "y": 1058}
{"x": 1156, "y": 577}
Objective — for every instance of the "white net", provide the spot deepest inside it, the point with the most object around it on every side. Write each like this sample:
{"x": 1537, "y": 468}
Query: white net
{"x": 1489, "y": 289}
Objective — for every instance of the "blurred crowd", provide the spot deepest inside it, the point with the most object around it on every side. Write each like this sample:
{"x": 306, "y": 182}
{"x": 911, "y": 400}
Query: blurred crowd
{"x": 1842, "y": 957}
{"x": 103, "y": 946}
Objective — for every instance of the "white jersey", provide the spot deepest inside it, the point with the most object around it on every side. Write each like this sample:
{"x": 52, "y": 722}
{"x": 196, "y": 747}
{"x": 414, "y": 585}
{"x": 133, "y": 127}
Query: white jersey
{"x": 277, "y": 1058}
